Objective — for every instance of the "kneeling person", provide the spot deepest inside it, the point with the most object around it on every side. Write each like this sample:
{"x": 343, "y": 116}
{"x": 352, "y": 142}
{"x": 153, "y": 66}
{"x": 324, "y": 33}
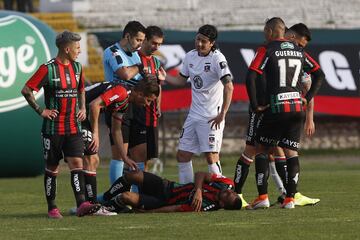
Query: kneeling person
{"x": 113, "y": 98}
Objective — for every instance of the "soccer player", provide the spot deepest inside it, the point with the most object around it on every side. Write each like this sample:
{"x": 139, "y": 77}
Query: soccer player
{"x": 115, "y": 99}
{"x": 282, "y": 61}
{"x": 211, "y": 90}
{"x": 122, "y": 64}
{"x": 301, "y": 35}
{"x": 209, "y": 192}
{"x": 63, "y": 82}
{"x": 154, "y": 37}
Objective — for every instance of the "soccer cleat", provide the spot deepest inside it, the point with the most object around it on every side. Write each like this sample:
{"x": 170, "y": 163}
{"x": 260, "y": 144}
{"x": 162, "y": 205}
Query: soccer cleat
{"x": 87, "y": 208}
{"x": 289, "y": 203}
{"x": 301, "y": 200}
{"x": 243, "y": 201}
{"x": 103, "y": 211}
{"x": 55, "y": 214}
{"x": 262, "y": 201}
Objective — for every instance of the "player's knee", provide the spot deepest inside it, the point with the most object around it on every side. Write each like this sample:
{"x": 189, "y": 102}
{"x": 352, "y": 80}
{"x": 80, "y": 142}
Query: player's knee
{"x": 183, "y": 156}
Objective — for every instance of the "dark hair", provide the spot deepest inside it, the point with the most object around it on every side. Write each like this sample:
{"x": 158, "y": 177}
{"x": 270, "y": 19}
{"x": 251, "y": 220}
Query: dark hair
{"x": 272, "y": 22}
{"x": 66, "y": 37}
{"x": 148, "y": 85}
{"x": 301, "y": 30}
{"x": 133, "y": 27}
{"x": 211, "y": 32}
{"x": 152, "y": 31}
{"x": 235, "y": 205}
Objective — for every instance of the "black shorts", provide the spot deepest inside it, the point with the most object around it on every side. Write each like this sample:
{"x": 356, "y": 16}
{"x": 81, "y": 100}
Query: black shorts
{"x": 152, "y": 138}
{"x": 57, "y": 147}
{"x": 133, "y": 131}
{"x": 253, "y": 124}
{"x": 281, "y": 130}
{"x": 153, "y": 192}
{"x": 87, "y": 137}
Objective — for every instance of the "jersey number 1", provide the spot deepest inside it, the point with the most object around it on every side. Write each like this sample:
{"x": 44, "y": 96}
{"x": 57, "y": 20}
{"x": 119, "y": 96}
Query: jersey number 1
{"x": 293, "y": 63}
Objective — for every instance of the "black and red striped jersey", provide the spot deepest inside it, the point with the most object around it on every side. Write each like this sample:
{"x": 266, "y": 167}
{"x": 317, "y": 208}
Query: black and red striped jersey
{"x": 115, "y": 96}
{"x": 152, "y": 65}
{"x": 182, "y": 194}
{"x": 283, "y": 64}
{"x": 62, "y": 85}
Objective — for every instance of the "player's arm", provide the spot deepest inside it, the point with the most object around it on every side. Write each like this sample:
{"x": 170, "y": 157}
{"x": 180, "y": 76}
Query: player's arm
{"x": 309, "y": 127}
{"x": 95, "y": 107}
{"x": 30, "y": 98}
{"x": 179, "y": 80}
{"x": 317, "y": 78}
{"x": 116, "y": 122}
{"x": 81, "y": 115}
{"x": 158, "y": 103}
{"x": 200, "y": 179}
{"x": 129, "y": 72}
{"x": 227, "y": 96}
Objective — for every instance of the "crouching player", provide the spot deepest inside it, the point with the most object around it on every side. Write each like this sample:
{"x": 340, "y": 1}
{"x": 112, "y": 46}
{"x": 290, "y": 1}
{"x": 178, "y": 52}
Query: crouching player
{"x": 115, "y": 99}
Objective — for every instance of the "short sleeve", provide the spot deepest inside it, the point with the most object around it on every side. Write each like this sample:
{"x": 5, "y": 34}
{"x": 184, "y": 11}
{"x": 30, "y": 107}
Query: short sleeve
{"x": 310, "y": 65}
{"x": 257, "y": 63}
{"x": 39, "y": 79}
{"x": 185, "y": 68}
{"x": 221, "y": 66}
{"x": 113, "y": 57}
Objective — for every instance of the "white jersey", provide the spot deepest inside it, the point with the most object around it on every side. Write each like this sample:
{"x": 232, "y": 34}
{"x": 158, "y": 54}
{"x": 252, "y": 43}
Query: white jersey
{"x": 205, "y": 74}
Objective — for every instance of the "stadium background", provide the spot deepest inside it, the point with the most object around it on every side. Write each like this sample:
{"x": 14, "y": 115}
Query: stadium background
{"x": 335, "y": 35}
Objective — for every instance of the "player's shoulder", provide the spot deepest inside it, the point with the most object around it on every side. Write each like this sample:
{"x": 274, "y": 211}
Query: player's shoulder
{"x": 51, "y": 61}
{"x": 217, "y": 56}
{"x": 192, "y": 53}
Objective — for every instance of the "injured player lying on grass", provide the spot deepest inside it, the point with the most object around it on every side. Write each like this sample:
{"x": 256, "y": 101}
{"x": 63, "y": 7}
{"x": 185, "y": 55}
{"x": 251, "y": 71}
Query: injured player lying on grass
{"x": 209, "y": 192}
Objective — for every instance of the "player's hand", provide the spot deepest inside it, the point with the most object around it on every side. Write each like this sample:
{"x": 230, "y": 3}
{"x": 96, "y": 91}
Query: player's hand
{"x": 50, "y": 113}
{"x": 158, "y": 112}
{"x": 215, "y": 122}
{"x": 162, "y": 74}
{"x": 197, "y": 200}
{"x": 81, "y": 115}
{"x": 132, "y": 164}
{"x": 260, "y": 109}
{"x": 304, "y": 101}
{"x": 94, "y": 145}
{"x": 309, "y": 128}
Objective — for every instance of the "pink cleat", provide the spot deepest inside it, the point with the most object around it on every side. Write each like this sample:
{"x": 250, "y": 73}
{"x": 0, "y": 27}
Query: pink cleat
{"x": 87, "y": 208}
{"x": 55, "y": 214}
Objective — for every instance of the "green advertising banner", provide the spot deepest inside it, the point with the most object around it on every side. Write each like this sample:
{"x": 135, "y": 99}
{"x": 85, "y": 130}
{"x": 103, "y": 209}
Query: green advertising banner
{"x": 25, "y": 43}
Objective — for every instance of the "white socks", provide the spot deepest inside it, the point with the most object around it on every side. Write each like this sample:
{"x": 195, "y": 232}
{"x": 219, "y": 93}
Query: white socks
{"x": 279, "y": 184}
{"x": 186, "y": 172}
{"x": 215, "y": 168}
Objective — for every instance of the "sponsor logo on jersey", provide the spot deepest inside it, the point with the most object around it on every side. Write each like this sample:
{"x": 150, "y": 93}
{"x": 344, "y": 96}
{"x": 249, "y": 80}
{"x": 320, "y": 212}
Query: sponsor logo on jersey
{"x": 20, "y": 55}
{"x": 288, "y": 95}
{"x": 287, "y": 45}
{"x": 114, "y": 98}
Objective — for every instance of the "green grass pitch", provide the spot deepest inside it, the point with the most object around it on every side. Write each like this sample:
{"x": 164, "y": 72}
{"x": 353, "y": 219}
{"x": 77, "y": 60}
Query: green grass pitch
{"x": 336, "y": 182}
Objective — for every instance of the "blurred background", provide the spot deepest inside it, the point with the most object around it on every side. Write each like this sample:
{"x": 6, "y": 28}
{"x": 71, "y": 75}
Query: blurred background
{"x": 335, "y": 26}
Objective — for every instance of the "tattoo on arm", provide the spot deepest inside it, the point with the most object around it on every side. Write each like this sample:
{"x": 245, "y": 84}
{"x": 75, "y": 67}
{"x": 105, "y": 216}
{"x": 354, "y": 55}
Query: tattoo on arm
{"x": 29, "y": 96}
{"x": 226, "y": 79}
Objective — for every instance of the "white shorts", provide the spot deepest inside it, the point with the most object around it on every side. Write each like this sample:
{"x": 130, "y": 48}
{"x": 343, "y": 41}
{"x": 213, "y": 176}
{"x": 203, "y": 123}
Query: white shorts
{"x": 198, "y": 137}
